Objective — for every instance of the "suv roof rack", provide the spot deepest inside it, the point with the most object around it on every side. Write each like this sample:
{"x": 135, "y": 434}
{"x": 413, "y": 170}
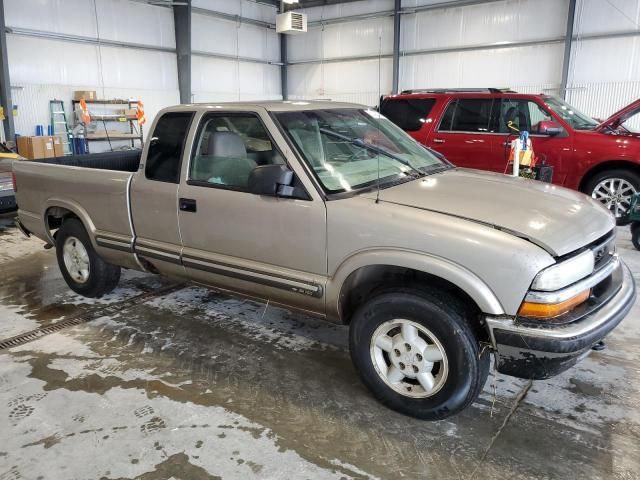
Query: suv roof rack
{"x": 458, "y": 90}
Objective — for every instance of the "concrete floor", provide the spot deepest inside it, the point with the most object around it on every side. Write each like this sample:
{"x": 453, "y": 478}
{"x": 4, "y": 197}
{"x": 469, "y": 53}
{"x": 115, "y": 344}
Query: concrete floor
{"x": 174, "y": 381}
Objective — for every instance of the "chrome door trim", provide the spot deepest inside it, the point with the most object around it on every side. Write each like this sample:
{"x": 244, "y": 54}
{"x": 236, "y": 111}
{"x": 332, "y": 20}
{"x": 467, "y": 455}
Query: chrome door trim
{"x": 255, "y": 276}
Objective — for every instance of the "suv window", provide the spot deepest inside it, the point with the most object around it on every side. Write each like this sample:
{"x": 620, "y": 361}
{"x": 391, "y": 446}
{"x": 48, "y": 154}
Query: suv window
{"x": 408, "y": 113}
{"x": 165, "y": 147}
{"x": 467, "y": 115}
{"x": 520, "y": 115}
{"x": 228, "y": 148}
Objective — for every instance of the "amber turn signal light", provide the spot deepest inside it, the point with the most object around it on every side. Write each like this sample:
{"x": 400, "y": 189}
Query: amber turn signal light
{"x": 552, "y": 310}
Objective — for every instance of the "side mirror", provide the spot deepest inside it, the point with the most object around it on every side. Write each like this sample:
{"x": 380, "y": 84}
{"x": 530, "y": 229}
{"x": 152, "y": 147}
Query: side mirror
{"x": 549, "y": 127}
{"x": 273, "y": 180}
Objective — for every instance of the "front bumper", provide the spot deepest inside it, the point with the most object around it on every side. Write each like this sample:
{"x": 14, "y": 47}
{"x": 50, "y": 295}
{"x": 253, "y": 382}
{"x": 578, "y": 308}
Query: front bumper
{"x": 538, "y": 352}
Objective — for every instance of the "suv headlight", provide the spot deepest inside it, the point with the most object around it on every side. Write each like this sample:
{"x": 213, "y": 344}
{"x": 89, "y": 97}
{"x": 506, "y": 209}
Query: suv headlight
{"x": 565, "y": 273}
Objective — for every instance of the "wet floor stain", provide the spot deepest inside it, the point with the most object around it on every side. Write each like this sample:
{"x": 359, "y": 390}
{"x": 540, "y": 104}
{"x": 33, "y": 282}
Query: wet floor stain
{"x": 197, "y": 384}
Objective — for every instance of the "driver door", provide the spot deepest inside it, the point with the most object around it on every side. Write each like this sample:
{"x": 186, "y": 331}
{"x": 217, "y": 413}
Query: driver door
{"x": 268, "y": 247}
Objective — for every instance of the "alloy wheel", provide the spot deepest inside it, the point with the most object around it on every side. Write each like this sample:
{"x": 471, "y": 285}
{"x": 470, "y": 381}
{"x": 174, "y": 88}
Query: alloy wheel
{"x": 615, "y": 194}
{"x": 76, "y": 259}
{"x": 409, "y": 358}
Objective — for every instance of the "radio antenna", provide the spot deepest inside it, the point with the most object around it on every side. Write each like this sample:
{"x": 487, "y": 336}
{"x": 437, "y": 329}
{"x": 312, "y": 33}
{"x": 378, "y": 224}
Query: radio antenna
{"x": 379, "y": 93}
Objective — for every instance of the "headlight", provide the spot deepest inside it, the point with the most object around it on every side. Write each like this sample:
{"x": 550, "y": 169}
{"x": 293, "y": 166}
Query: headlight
{"x": 564, "y": 273}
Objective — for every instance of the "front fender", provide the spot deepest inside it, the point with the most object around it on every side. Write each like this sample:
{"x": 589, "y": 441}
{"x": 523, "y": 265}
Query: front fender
{"x": 458, "y": 275}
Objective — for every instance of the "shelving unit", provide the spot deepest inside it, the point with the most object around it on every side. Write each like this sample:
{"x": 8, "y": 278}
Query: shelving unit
{"x": 112, "y": 111}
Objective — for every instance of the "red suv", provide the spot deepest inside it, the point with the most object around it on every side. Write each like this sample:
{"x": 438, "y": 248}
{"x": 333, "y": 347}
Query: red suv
{"x": 472, "y": 129}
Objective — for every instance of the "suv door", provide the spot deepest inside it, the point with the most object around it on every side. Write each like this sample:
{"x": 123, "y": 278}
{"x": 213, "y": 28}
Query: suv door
{"x": 527, "y": 115}
{"x": 465, "y": 134}
{"x": 154, "y": 193}
{"x": 268, "y": 247}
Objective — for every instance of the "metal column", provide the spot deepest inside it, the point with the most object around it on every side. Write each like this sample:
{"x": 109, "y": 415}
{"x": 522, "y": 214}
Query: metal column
{"x": 182, "y": 23}
{"x": 5, "y": 82}
{"x": 396, "y": 45}
{"x": 568, "y": 40}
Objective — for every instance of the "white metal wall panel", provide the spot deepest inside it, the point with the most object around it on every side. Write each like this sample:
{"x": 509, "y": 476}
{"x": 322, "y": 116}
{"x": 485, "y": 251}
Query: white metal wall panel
{"x": 74, "y": 17}
{"x": 243, "y": 8}
{"x": 215, "y": 35}
{"x": 353, "y": 81}
{"x": 363, "y": 37}
{"x": 606, "y": 60}
{"x": 347, "y": 9}
{"x": 496, "y": 22}
{"x": 219, "y": 80}
{"x": 128, "y": 68}
{"x": 120, "y": 20}
{"x": 47, "y": 62}
{"x": 601, "y": 16}
{"x": 42, "y": 70}
{"x": 508, "y": 67}
{"x": 134, "y": 22}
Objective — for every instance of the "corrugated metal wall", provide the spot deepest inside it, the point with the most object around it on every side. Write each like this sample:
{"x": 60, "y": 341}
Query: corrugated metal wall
{"x": 43, "y": 69}
{"x": 232, "y": 79}
{"x": 481, "y": 31}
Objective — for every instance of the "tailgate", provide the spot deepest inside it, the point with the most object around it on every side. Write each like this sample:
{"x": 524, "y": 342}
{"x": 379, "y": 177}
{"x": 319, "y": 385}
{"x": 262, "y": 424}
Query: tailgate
{"x": 99, "y": 197}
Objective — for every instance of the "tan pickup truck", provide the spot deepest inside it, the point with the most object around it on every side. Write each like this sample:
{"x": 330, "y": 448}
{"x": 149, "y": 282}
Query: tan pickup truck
{"x": 331, "y": 209}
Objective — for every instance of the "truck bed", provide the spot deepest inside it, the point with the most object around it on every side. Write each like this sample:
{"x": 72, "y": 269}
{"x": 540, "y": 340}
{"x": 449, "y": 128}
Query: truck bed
{"x": 95, "y": 187}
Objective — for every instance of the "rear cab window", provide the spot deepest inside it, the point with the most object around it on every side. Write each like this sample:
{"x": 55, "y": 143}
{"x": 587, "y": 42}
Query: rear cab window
{"x": 407, "y": 113}
{"x": 166, "y": 147}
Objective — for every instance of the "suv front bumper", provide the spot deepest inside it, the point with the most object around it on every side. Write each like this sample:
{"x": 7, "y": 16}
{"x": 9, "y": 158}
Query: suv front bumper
{"x": 538, "y": 352}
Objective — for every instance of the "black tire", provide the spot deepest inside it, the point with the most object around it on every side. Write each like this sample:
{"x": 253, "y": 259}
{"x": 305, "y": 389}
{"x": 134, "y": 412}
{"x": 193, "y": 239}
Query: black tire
{"x": 635, "y": 234}
{"x": 442, "y": 315}
{"x": 628, "y": 175}
{"x": 102, "y": 278}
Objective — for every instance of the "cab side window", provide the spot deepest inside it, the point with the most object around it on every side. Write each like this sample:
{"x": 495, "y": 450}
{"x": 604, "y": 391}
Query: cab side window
{"x": 520, "y": 115}
{"x": 166, "y": 146}
{"x": 468, "y": 115}
{"x": 228, "y": 148}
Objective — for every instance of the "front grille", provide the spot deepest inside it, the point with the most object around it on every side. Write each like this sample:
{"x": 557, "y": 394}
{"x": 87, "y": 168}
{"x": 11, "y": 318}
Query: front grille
{"x": 603, "y": 249}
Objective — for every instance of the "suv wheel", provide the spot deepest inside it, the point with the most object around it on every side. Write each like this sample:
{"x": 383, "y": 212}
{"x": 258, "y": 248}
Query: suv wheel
{"x": 614, "y": 189}
{"x": 417, "y": 353}
{"x": 83, "y": 270}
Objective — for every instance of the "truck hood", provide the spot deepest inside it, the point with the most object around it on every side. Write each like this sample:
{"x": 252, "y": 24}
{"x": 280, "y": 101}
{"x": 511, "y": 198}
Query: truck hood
{"x": 620, "y": 116}
{"x": 556, "y": 219}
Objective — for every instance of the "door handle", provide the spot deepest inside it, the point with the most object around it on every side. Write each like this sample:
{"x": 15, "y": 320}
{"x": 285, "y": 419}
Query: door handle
{"x": 187, "y": 204}
{"x": 438, "y": 140}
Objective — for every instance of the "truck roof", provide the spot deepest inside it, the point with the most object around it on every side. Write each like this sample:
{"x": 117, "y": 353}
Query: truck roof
{"x": 272, "y": 106}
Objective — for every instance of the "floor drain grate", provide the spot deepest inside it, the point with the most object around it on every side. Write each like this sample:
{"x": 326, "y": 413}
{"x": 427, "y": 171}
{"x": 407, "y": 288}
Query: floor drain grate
{"x": 85, "y": 317}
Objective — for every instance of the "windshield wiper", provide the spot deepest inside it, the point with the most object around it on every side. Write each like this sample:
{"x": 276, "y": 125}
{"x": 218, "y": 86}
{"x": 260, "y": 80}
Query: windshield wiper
{"x": 359, "y": 143}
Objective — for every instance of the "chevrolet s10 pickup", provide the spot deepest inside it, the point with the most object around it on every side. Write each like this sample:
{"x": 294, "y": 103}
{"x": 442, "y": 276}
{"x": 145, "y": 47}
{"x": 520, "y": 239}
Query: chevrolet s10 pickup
{"x": 331, "y": 209}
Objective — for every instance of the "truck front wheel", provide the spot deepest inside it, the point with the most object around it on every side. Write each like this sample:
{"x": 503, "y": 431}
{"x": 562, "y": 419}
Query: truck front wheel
{"x": 83, "y": 270}
{"x": 417, "y": 353}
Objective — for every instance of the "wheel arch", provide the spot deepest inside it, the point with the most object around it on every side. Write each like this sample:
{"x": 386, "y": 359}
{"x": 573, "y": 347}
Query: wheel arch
{"x": 56, "y": 211}
{"x": 607, "y": 165}
{"x": 362, "y": 274}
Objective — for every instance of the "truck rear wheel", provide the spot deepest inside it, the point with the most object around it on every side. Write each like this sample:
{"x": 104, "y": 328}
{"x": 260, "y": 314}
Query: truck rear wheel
{"x": 417, "y": 353}
{"x": 83, "y": 270}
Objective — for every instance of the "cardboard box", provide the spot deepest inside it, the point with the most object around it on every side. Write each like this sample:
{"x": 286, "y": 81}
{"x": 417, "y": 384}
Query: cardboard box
{"x": 58, "y": 147}
{"x": 34, "y": 148}
{"x": 84, "y": 95}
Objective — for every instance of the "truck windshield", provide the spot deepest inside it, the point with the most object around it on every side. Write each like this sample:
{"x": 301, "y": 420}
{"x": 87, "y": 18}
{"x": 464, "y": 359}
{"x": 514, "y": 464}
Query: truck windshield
{"x": 350, "y": 149}
{"x": 578, "y": 120}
